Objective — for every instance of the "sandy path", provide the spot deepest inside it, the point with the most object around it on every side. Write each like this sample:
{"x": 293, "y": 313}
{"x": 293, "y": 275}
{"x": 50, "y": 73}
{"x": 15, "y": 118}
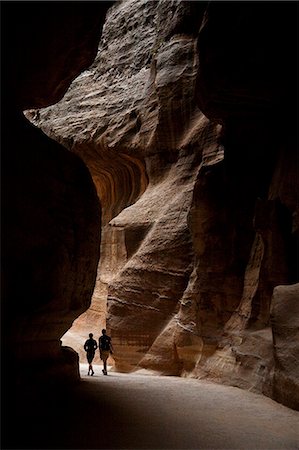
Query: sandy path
{"x": 174, "y": 413}
{"x": 134, "y": 411}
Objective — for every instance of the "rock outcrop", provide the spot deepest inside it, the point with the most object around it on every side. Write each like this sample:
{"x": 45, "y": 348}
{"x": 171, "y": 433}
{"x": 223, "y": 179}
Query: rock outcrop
{"x": 181, "y": 124}
{"x": 285, "y": 326}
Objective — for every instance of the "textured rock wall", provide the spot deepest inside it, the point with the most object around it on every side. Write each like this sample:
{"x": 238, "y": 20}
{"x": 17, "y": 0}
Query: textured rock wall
{"x": 285, "y": 325}
{"x": 242, "y": 86}
{"x": 129, "y": 145}
{"x": 178, "y": 122}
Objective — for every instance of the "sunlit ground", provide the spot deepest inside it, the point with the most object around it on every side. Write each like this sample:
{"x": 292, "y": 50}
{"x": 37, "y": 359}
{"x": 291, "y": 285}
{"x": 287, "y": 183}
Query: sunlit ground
{"x": 97, "y": 369}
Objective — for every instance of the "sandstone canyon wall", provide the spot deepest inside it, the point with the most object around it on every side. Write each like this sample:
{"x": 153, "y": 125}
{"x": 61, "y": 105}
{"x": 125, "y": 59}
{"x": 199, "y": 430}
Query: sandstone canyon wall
{"x": 187, "y": 123}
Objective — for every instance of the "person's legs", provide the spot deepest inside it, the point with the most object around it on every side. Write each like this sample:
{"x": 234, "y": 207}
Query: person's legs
{"x": 90, "y": 368}
{"x": 105, "y": 357}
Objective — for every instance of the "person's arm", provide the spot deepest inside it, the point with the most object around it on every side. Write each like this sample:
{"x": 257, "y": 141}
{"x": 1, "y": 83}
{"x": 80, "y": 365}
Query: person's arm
{"x": 111, "y": 347}
{"x": 100, "y": 350}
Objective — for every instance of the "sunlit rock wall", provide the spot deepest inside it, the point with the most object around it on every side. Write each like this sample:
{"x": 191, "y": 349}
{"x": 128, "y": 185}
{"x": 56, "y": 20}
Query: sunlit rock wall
{"x": 137, "y": 132}
{"x": 177, "y": 121}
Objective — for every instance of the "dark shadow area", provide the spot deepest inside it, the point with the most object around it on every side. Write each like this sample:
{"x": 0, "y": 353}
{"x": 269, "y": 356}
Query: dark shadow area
{"x": 147, "y": 412}
{"x": 50, "y": 212}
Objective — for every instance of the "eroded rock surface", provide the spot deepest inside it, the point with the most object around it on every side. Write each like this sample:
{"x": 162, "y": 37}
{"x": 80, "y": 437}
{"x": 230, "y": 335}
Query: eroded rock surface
{"x": 285, "y": 326}
{"x": 130, "y": 144}
{"x": 178, "y": 122}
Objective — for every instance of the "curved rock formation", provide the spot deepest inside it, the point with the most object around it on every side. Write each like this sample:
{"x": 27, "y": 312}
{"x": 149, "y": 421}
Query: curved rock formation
{"x": 180, "y": 122}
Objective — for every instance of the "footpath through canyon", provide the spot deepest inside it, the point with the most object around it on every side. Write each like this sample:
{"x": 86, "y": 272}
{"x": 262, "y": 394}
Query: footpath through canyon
{"x": 142, "y": 411}
{"x": 150, "y": 187}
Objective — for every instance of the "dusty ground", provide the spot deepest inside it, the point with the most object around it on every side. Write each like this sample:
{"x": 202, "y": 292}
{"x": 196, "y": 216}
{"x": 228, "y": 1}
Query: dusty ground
{"x": 137, "y": 411}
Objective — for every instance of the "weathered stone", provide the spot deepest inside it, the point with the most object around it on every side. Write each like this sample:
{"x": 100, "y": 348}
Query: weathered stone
{"x": 285, "y": 326}
{"x": 137, "y": 117}
{"x": 200, "y": 221}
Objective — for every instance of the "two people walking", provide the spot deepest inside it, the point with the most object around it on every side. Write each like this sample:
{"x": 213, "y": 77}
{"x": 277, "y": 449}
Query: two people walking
{"x": 105, "y": 348}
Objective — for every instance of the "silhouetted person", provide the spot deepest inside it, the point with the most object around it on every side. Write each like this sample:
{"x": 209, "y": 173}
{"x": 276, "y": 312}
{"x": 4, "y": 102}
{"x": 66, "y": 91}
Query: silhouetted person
{"x": 90, "y": 347}
{"x": 105, "y": 347}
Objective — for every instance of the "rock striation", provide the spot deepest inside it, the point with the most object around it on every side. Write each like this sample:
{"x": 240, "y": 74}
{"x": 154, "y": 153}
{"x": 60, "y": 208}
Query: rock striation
{"x": 177, "y": 120}
{"x": 285, "y": 326}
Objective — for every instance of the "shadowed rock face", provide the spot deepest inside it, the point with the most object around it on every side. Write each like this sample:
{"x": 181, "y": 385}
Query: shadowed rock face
{"x": 51, "y": 214}
{"x": 285, "y": 326}
{"x": 181, "y": 122}
{"x": 45, "y": 47}
{"x": 247, "y": 55}
{"x": 241, "y": 85}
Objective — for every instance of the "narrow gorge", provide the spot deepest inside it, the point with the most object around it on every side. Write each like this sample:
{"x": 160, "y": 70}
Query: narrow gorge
{"x": 150, "y": 185}
{"x": 198, "y": 192}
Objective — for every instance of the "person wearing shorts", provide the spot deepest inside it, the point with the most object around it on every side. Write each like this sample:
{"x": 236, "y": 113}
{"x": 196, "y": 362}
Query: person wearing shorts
{"x": 90, "y": 347}
{"x": 105, "y": 348}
